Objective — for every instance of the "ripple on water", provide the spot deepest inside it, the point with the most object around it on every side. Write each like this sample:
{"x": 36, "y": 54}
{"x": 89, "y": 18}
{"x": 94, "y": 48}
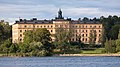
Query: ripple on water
{"x": 60, "y": 62}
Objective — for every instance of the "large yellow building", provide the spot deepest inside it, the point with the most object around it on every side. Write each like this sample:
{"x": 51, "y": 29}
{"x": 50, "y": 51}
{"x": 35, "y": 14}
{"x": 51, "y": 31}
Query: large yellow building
{"x": 79, "y": 28}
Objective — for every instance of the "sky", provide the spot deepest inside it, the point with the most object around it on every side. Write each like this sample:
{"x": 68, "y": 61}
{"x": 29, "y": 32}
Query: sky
{"x": 12, "y": 10}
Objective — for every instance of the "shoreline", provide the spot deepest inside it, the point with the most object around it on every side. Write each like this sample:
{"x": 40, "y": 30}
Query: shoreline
{"x": 64, "y": 55}
{"x": 107, "y": 55}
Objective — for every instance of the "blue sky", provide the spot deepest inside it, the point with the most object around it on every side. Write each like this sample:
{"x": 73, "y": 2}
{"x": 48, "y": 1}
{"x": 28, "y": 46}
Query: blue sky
{"x": 11, "y": 10}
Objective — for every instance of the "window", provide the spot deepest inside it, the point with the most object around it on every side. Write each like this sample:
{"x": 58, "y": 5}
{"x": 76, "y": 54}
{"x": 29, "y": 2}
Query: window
{"x": 41, "y": 26}
{"x": 99, "y": 35}
{"x": 82, "y": 30}
{"x": 37, "y": 26}
{"x": 44, "y": 26}
{"x": 86, "y": 35}
{"x": 51, "y": 31}
{"x": 25, "y": 26}
{"x": 25, "y": 30}
{"x": 86, "y": 26}
{"x": 90, "y": 26}
{"x": 76, "y": 35}
{"x": 83, "y": 39}
{"x": 83, "y": 35}
{"x": 94, "y": 30}
{"x": 73, "y": 26}
{"x": 99, "y": 26}
{"x": 99, "y": 30}
{"x": 86, "y": 30}
{"x": 73, "y": 39}
{"x": 86, "y": 39}
{"x": 20, "y": 35}
{"x": 90, "y": 30}
{"x": 20, "y": 30}
{"x": 95, "y": 39}
{"x": 48, "y": 26}
{"x": 94, "y": 26}
{"x": 76, "y": 39}
{"x": 51, "y": 26}
{"x": 82, "y": 26}
{"x": 76, "y": 31}
{"x": 79, "y": 26}
{"x": 76, "y": 26}
{"x": 34, "y": 26}
{"x": 20, "y": 39}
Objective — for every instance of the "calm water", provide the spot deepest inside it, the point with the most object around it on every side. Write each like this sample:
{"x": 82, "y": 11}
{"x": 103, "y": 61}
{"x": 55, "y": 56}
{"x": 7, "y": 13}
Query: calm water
{"x": 60, "y": 62}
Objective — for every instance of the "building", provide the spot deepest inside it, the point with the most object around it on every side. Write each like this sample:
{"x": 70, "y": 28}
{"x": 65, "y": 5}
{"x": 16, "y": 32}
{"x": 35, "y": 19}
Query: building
{"x": 79, "y": 28}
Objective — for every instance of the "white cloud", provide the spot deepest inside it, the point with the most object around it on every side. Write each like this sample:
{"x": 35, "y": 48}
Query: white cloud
{"x": 87, "y": 12}
{"x": 48, "y": 9}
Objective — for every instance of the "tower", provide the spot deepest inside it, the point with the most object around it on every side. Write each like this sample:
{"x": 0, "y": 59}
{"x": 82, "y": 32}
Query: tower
{"x": 60, "y": 14}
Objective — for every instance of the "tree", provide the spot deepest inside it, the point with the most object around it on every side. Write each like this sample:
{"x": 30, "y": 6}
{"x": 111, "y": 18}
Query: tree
{"x": 118, "y": 43}
{"x": 5, "y": 46}
{"x": 23, "y": 47}
{"x": 37, "y": 35}
{"x": 114, "y": 32}
{"x": 13, "y": 48}
{"x": 110, "y": 46}
{"x": 41, "y": 35}
{"x": 37, "y": 42}
{"x": 92, "y": 38}
{"x": 28, "y": 38}
{"x": 38, "y": 49}
{"x": 5, "y": 31}
{"x": 62, "y": 37}
{"x": 85, "y": 19}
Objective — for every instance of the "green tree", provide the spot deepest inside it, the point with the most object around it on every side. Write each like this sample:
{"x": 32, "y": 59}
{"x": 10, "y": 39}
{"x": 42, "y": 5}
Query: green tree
{"x": 37, "y": 35}
{"x": 14, "y": 48}
{"x": 110, "y": 46}
{"x": 5, "y": 31}
{"x": 41, "y": 35}
{"x": 62, "y": 37}
{"x": 38, "y": 49}
{"x": 28, "y": 38}
{"x": 114, "y": 32}
{"x": 92, "y": 38}
{"x": 23, "y": 47}
{"x": 85, "y": 19}
{"x": 118, "y": 43}
{"x": 37, "y": 41}
{"x": 5, "y": 46}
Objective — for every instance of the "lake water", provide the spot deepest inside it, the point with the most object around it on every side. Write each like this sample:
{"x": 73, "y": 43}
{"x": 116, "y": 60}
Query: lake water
{"x": 60, "y": 62}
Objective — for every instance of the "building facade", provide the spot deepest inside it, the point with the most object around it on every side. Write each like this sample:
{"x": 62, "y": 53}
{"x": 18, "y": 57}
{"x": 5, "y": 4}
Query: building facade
{"x": 79, "y": 28}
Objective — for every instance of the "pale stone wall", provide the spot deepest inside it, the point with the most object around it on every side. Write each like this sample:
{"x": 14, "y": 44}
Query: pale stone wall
{"x": 79, "y": 29}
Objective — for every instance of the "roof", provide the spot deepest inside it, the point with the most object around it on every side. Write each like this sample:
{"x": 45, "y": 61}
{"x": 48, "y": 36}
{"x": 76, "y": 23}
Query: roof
{"x": 35, "y": 21}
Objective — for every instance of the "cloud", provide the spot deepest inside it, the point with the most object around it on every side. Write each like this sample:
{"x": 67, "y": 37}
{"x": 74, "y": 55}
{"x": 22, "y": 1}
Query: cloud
{"x": 46, "y": 9}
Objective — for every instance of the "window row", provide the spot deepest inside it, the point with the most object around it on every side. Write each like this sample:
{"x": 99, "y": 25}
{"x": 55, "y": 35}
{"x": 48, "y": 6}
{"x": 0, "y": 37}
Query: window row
{"x": 83, "y": 35}
{"x": 83, "y": 26}
{"x": 50, "y": 26}
{"x": 37, "y": 26}
{"x": 86, "y": 31}
{"x": 22, "y": 30}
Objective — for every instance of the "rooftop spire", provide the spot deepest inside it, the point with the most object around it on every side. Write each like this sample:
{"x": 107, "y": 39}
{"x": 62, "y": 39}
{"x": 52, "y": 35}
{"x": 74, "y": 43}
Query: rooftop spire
{"x": 60, "y": 14}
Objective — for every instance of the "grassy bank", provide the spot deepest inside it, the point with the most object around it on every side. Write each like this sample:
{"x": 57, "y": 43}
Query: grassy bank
{"x": 83, "y": 52}
{"x": 94, "y": 51}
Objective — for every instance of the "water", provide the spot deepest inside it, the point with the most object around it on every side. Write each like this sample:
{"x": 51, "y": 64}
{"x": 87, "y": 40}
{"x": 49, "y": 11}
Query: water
{"x": 60, "y": 62}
